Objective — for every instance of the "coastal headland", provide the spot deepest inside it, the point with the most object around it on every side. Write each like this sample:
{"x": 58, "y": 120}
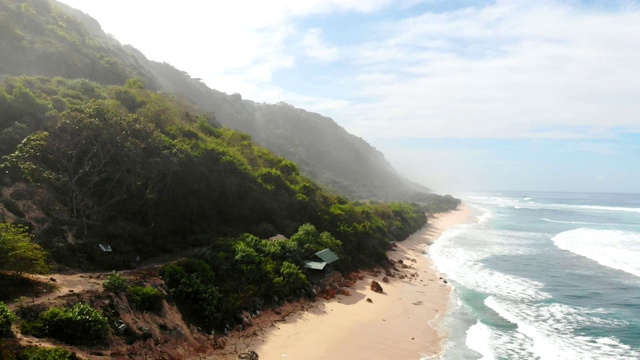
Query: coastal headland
{"x": 393, "y": 324}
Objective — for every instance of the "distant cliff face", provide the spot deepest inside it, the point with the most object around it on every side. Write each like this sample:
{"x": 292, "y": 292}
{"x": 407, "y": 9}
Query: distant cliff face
{"x": 40, "y": 37}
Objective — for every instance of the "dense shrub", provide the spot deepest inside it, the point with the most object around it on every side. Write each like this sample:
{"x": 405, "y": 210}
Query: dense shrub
{"x": 79, "y": 325}
{"x": 196, "y": 297}
{"x": 55, "y": 353}
{"x": 141, "y": 297}
{"x": 116, "y": 283}
{"x": 145, "y": 298}
{"x": 6, "y": 319}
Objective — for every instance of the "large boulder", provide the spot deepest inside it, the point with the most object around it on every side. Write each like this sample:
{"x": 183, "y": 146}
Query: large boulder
{"x": 333, "y": 279}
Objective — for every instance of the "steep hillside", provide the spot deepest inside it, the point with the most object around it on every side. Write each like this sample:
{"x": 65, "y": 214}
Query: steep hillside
{"x": 40, "y": 37}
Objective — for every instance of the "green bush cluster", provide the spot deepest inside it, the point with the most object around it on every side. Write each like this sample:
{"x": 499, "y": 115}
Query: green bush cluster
{"x": 6, "y": 319}
{"x": 143, "y": 298}
{"x": 38, "y": 353}
{"x": 78, "y": 325}
{"x": 243, "y": 273}
{"x": 191, "y": 286}
{"x": 116, "y": 283}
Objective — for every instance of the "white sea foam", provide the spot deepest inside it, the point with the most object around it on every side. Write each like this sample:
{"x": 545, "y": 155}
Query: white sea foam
{"x": 479, "y": 340}
{"x": 526, "y": 203}
{"x": 551, "y": 328}
{"x": 464, "y": 267}
{"x": 485, "y": 214}
{"x": 612, "y": 248}
{"x": 586, "y": 223}
{"x": 592, "y": 208}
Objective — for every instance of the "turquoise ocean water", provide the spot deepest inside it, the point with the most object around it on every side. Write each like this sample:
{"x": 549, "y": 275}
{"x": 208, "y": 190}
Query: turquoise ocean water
{"x": 543, "y": 276}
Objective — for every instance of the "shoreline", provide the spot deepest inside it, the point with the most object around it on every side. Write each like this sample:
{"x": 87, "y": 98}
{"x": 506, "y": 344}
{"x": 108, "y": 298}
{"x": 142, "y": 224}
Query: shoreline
{"x": 396, "y": 324}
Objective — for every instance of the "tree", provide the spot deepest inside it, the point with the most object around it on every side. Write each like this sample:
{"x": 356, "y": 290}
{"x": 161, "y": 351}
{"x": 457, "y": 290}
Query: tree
{"x": 6, "y": 319}
{"x": 95, "y": 158}
{"x": 18, "y": 252}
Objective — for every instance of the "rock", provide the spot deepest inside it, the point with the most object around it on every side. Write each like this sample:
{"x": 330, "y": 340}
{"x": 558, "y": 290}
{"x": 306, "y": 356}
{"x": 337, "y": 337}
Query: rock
{"x": 248, "y": 355}
{"x": 333, "y": 279}
{"x": 445, "y": 281}
{"x": 246, "y": 319}
{"x": 401, "y": 276}
{"x": 52, "y": 279}
{"x": 375, "y": 286}
{"x": 369, "y": 300}
{"x": 345, "y": 292}
{"x": 122, "y": 328}
{"x": 219, "y": 342}
{"x": 329, "y": 293}
{"x": 385, "y": 279}
{"x": 400, "y": 261}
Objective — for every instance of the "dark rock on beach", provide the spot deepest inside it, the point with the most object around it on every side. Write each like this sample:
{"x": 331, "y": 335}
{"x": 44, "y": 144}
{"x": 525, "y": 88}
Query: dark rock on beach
{"x": 375, "y": 286}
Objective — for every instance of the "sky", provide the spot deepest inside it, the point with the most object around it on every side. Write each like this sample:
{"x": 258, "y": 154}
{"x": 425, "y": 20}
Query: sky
{"x": 459, "y": 95}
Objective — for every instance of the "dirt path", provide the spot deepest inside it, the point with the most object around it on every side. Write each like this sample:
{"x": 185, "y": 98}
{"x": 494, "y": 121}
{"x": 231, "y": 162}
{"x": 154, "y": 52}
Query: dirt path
{"x": 65, "y": 284}
{"x": 88, "y": 281}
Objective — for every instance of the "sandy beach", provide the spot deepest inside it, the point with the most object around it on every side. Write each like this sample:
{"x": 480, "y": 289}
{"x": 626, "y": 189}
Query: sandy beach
{"x": 394, "y": 325}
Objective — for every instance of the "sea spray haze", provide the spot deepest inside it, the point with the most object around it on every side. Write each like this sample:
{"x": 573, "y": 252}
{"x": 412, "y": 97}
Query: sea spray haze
{"x": 544, "y": 276}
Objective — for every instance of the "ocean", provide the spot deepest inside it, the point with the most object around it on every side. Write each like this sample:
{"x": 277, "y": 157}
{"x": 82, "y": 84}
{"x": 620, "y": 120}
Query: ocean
{"x": 543, "y": 276}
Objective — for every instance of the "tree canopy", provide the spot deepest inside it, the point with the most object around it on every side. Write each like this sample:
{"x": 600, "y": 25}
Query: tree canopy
{"x": 18, "y": 252}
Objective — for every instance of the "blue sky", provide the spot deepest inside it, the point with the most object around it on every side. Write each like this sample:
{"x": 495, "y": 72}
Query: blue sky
{"x": 459, "y": 95}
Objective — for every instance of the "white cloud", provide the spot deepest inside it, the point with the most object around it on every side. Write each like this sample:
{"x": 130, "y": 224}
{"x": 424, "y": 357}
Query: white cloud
{"x": 513, "y": 69}
{"x": 315, "y": 47}
{"x": 235, "y": 46}
{"x": 544, "y": 69}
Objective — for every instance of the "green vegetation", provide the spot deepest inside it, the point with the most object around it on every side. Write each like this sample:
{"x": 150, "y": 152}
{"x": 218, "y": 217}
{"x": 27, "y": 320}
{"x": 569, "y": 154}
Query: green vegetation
{"x": 246, "y": 273}
{"x": 147, "y": 174}
{"x": 116, "y": 283}
{"x": 40, "y": 37}
{"x": 143, "y": 298}
{"x": 78, "y": 325}
{"x": 17, "y": 251}
{"x": 13, "y": 351}
{"x": 433, "y": 203}
{"x": 6, "y": 319}
{"x": 192, "y": 287}
{"x": 54, "y": 353}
